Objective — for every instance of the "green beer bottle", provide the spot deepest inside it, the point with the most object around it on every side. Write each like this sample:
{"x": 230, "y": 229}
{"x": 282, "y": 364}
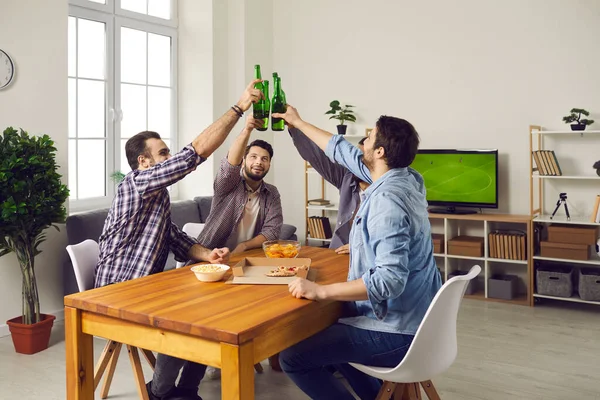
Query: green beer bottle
{"x": 267, "y": 100}
{"x": 278, "y": 104}
{"x": 260, "y": 110}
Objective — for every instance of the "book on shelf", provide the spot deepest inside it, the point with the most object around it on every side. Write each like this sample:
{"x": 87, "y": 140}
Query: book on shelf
{"x": 319, "y": 228}
{"x": 546, "y": 162}
{"x": 319, "y": 202}
{"x": 508, "y": 245}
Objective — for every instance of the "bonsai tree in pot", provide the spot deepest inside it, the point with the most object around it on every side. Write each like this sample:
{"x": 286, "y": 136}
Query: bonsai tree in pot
{"x": 32, "y": 199}
{"x": 575, "y": 116}
{"x": 342, "y": 114}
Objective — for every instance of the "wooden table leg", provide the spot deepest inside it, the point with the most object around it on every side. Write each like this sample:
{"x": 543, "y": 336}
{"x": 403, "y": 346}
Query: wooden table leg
{"x": 80, "y": 358}
{"x": 237, "y": 371}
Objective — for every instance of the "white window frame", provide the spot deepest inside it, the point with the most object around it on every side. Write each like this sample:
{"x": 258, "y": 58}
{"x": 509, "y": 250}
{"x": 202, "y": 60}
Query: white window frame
{"x": 121, "y": 22}
{"x": 114, "y": 17}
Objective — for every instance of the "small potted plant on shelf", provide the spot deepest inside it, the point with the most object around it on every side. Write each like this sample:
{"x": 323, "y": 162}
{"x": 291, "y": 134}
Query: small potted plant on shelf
{"x": 597, "y": 167}
{"x": 342, "y": 114}
{"x": 579, "y": 124}
{"x": 32, "y": 199}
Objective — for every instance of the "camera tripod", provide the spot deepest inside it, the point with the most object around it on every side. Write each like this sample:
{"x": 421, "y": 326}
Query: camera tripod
{"x": 562, "y": 199}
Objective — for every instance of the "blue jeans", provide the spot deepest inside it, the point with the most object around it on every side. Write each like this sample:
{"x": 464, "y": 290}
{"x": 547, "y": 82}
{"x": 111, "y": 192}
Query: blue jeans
{"x": 309, "y": 362}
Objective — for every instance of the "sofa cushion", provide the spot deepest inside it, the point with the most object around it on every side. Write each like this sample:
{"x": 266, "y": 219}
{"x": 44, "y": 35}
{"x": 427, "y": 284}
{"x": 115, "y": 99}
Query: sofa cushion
{"x": 204, "y": 203}
{"x": 86, "y": 225}
{"x": 287, "y": 232}
{"x": 184, "y": 211}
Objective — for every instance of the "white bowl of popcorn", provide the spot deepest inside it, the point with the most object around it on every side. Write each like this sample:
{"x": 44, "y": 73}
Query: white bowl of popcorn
{"x": 210, "y": 272}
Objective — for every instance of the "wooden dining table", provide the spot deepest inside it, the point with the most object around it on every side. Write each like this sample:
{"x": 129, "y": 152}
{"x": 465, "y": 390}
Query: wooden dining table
{"x": 227, "y": 326}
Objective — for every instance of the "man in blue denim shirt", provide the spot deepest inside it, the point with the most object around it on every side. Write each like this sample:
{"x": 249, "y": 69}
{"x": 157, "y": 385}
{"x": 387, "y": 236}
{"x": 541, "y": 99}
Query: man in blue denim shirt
{"x": 392, "y": 277}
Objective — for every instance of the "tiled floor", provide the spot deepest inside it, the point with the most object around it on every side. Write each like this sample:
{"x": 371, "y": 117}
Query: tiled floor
{"x": 549, "y": 352}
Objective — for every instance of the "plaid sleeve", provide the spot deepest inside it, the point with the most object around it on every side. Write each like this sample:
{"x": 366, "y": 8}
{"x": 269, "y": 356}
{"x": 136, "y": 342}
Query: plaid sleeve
{"x": 180, "y": 243}
{"x": 227, "y": 178}
{"x": 168, "y": 172}
{"x": 273, "y": 216}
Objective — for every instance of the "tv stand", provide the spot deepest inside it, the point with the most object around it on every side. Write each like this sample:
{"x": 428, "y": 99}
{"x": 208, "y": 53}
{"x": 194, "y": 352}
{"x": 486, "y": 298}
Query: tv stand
{"x": 451, "y": 210}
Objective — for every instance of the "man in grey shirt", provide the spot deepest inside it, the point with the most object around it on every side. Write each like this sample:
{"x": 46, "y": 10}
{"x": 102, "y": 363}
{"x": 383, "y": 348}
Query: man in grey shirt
{"x": 349, "y": 186}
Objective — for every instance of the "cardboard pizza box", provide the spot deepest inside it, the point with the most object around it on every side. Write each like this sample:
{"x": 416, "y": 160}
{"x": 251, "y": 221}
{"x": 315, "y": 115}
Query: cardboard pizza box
{"x": 253, "y": 270}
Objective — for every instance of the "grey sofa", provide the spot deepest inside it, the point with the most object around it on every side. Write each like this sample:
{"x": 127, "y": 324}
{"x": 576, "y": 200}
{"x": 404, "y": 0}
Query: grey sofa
{"x": 88, "y": 225}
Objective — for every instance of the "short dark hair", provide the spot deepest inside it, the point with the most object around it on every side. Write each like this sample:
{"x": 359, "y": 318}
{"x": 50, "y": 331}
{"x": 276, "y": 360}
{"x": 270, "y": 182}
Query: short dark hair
{"x": 136, "y": 146}
{"x": 262, "y": 144}
{"x": 362, "y": 141}
{"x": 399, "y": 139}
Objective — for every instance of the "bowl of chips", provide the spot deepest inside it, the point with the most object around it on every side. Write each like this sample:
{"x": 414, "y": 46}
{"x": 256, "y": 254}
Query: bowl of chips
{"x": 210, "y": 272}
{"x": 281, "y": 248}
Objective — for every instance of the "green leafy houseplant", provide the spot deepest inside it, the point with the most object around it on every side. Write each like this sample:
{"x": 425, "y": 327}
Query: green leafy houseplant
{"x": 32, "y": 199}
{"x": 575, "y": 116}
{"x": 117, "y": 177}
{"x": 342, "y": 114}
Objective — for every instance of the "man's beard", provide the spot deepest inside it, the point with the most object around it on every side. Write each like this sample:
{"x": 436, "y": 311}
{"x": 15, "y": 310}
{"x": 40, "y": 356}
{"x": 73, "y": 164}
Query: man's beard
{"x": 368, "y": 160}
{"x": 253, "y": 176}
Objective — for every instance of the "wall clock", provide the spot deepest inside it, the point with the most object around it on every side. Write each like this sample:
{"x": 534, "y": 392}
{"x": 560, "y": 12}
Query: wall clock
{"x": 7, "y": 70}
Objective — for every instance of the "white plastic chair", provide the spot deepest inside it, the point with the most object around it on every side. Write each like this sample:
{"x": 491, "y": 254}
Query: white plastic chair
{"x": 193, "y": 229}
{"x": 433, "y": 349}
{"x": 84, "y": 257}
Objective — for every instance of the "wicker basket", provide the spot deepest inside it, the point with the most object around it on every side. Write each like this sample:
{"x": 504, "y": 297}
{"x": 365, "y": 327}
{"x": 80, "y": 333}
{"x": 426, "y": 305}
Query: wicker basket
{"x": 589, "y": 284}
{"x": 555, "y": 281}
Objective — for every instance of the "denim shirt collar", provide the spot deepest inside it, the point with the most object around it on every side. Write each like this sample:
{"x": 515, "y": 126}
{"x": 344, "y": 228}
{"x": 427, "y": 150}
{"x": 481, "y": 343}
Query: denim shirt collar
{"x": 390, "y": 174}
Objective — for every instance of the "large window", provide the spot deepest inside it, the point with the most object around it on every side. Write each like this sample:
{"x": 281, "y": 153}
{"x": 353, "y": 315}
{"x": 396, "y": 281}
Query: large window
{"x": 122, "y": 80}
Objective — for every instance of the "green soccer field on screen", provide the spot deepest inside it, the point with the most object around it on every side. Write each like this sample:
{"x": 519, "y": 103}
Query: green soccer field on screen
{"x": 461, "y": 178}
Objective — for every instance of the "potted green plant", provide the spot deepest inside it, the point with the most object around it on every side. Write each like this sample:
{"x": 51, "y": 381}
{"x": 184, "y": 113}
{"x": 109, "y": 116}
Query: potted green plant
{"x": 32, "y": 199}
{"x": 342, "y": 114}
{"x": 575, "y": 116}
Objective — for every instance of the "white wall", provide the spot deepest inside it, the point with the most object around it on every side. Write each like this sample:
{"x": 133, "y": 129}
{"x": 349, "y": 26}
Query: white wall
{"x": 466, "y": 73}
{"x": 219, "y": 43}
{"x": 34, "y": 33}
{"x": 195, "y": 87}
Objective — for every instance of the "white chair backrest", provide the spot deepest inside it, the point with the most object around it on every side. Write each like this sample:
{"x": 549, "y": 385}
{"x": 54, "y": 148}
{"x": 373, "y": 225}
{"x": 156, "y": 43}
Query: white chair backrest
{"x": 84, "y": 257}
{"x": 434, "y": 347}
{"x": 193, "y": 229}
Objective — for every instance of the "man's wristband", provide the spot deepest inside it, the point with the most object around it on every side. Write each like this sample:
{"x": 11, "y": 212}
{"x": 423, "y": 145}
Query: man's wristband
{"x": 237, "y": 110}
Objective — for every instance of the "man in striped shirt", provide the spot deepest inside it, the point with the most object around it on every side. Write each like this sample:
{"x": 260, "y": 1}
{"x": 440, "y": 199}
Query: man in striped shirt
{"x": 138, "y": 232}
{"x": 245, "y": 210}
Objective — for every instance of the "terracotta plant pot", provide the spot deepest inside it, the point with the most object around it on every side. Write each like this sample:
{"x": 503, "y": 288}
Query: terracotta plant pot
{"x": 31, "y": 339}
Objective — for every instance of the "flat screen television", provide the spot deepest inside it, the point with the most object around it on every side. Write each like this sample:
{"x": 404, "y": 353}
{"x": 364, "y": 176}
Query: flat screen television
{"x": 459, "y": 178}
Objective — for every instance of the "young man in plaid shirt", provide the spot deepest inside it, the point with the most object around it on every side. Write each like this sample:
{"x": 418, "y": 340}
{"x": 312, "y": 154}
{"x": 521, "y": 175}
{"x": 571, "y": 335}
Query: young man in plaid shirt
{"x": 138, "y": 232}
{"x": 245, "y": 210}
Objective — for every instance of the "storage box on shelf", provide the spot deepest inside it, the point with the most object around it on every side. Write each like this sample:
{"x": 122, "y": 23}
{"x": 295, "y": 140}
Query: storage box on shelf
{"x": 566, "y": 247}
{"x": 456, "y": 250}
{"x": 503, "y": 286}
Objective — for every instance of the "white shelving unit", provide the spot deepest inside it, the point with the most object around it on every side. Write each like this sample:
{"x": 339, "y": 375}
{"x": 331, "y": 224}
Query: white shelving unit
{"x": 455, "y": 225}
{"x": 538, "y": 205}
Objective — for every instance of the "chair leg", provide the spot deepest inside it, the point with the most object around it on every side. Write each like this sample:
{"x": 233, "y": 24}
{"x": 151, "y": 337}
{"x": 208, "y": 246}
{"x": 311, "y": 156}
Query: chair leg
{"x": 274, "y": 362}
{"x": 414, "y": 391}
{"x": 111, "y": 371}
{"x": 388, "y": 389}
{"x": 258, "y": 367}
{"x": 429, "y": 389}
{"x": 407, "y": 391}
{"x": 107, "y": 353}
{"x": 138, "y": 374}
{"x": 149, "y": 356}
